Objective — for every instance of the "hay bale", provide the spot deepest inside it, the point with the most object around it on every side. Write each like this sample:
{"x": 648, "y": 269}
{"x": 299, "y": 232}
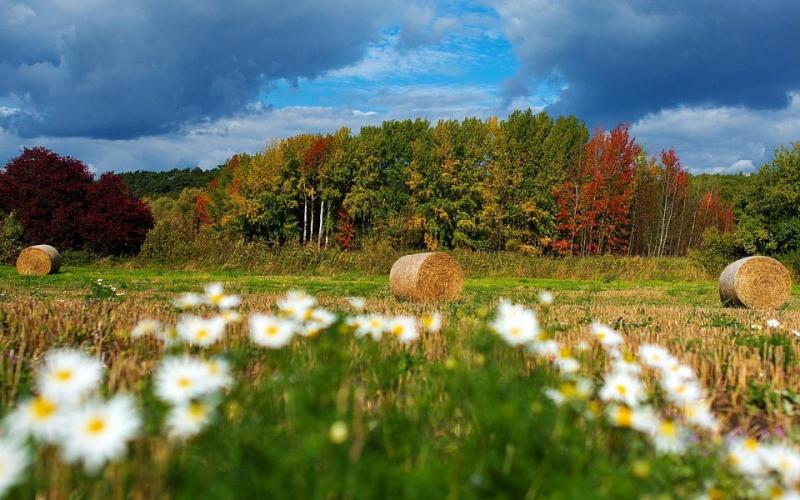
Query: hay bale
{"x": 426, "y": 276}
{"x": 38, "y": 260}
{"x": 756, "y": 283}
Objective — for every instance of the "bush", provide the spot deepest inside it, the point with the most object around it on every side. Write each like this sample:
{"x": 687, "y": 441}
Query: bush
{"x": 58, "y": 202}
{"x": 11, "y": 243}
{"x": 717, "y": 250}
{"x": 171, "y": 240}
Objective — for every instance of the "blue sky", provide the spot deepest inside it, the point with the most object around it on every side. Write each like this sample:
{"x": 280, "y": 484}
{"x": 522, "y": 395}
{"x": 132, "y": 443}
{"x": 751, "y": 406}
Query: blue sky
{"x": 151, "y": 85}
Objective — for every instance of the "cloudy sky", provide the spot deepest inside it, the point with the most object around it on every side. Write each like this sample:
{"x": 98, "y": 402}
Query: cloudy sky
{"x": 153, "y": 84}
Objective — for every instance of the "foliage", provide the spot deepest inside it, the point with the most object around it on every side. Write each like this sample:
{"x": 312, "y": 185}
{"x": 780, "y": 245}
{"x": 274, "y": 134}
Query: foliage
{"x": 169, "y": 183}
{"x": 11, "y": 243}
{"x": 58, "y": 202}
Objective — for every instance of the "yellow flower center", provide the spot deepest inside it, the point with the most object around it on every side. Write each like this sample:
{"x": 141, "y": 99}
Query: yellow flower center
{"x": 271, "y": 330}
{"x": 668, "y": 429}
{"x": 398, "y": 329}
{"x": 427, "y": 321}
{"x": 375, "y": 323}
{"x": 216, "y": 298}
{"x": 95, "y": 425}
{"x": 568, "y": 390}
{"x": 184, "y": 382}
{"x": 202, "y": 333}
{"x": 63, "y": 375}
{"x": 624, "y": 417}
{"x": 564, "y": 352}
{"x": 621, "y": 389}
{"x": 751, "y": 444}
{"x": 42, "y": 408}
{"x": 213, "y": 367}
{"x": 514, "y": 331}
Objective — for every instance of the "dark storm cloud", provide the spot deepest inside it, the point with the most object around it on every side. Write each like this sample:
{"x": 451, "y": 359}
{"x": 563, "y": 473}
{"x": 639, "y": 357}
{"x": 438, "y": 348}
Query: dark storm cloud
{"x": 623, "y": 59}
{"x": 109, "y": 69}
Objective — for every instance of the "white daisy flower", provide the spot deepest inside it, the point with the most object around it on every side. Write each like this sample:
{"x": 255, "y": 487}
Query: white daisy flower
{"x": 14, "y": 459}
{"x": 271, "y": 331}
{"x": 373, "y": 325}
{"x": 677, "y": 370}
{"x": 578, "y": 389}
{"x": 773, "y": 323}
{"x": 146, "y": 327}
{"x": 698, "y": 413}
{"x": 169, "y": 336}
{"x": 189, "y": 301}
{"x": 404, "y": 328}
{"x": 670, "y": 438}
{"x": 39, "y": 417}
{"x": 622, "y": 388}
{"x": 296, "y": 305}
{"x": 642, "y": 419}
{"x": 745, "y": 455}
{"x": 199, "y": 331}
{"x": 180, "y": 379}
{"x": 219, "y": 374}
{"x": 68, "y": 375}
{"x": 656, "y": 356}
{"x": 607, "y": 336}
{"x": 516, "y": 324}
{"x": 783, "y": 460}
{"x": 188, "y": 419}
{"x": 547, "y": 349}
{"x": 432, "y": 322}
{"x": 546, "y": 297}
{"x": 99, "y": 431}
{"x": 357, "y": 303}
{"x": 318, "y": 320}
{"x": 681, "y": 392}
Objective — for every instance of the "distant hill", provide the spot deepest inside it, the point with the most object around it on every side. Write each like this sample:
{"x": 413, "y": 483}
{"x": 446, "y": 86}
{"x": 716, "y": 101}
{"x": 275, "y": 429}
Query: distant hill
{"x": 148, "y": 184}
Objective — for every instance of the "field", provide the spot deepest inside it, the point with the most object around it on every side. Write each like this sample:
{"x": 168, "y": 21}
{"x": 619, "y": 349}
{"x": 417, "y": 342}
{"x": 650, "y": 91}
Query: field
{"x": 456, "y": 414}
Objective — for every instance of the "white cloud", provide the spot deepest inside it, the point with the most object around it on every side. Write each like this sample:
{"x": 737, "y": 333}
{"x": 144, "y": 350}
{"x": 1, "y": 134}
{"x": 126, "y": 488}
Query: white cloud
{"x": 721, "y": 139}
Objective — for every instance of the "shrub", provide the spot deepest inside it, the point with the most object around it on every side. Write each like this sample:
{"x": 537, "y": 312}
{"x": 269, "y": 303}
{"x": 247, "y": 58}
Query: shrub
{"x": 11, "y": 243}
{"x": 170, "y": 240}
{"x": 58, "y": 202}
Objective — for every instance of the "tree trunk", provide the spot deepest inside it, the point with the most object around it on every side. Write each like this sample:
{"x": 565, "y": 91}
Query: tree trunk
{"x": 321, "y": 213}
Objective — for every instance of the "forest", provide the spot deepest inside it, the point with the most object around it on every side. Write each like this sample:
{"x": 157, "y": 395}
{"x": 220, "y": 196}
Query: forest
{"x": 529, "y": 183}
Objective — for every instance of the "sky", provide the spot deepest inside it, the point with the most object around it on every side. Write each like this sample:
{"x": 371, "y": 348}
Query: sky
{"x": 149, "y": 84}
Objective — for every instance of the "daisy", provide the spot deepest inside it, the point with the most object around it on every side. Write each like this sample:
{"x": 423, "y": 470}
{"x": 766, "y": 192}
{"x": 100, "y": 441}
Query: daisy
{"x": 746, "y": 456}
{"x": 404, "y": 328}
{"x": 146, "y": 327}
{"x": 577, "y": 390}
{"x": 785, "y": 461}
{"x": 99, "y": 431}
{"x": 606, "y": 335}
{"x": 39, "y": 417}
{"x": 642, "y": 419}
{"x": 548, "y": 349}
{"x": 373, "y": 325}
{"x": 188, "y": 419}
{"x": 622, "y": 388}
{"x": 296, "y": 305}
{"x": 546, "y": 297}
{"x": 271, "y": 331}
{"x": 319, "y": 319}
{"x": 357, "y": 303}
{"x": 215, "y": 296}
{"x": 625, "y": 365}
{"x": 68, "y": 375}
{"x": 679, "y": 371}
{"x": 189, "y": 301}
{"x": 680, "y": 391}
{"x": 219, "y": 374}
{"x": 698, "y": 413}
{"x": 180, "y": 379}
{"x": 773, "y": 323}
{"x": 655, "y": 356}
{"x": 169, "y": 336}
{"x": 14, "y": 459}
{"x": 201, "y": 332}
{"x": 669, "y": 438}
{"x": 516, "y": 324}
{"x": 432, "y": 322}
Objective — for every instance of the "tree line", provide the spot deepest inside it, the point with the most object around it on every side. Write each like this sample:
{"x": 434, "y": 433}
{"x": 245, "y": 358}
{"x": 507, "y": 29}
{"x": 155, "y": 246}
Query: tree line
{"x": 530, "y": 183}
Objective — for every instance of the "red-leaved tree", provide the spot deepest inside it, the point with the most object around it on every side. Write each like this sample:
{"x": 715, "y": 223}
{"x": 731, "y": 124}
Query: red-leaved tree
{"x": 58, "y": 202}
{"x": 594, "y": 202}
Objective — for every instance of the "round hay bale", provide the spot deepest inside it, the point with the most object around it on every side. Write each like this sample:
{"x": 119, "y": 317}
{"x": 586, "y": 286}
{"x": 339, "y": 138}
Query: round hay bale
{"x": 38, "y": 260}
{"x": 426, "y": 276}
{"x": 756, "y": 283}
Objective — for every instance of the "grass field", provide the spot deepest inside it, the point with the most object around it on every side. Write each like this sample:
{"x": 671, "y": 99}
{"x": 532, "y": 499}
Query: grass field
{"x": 457, "y": 414}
